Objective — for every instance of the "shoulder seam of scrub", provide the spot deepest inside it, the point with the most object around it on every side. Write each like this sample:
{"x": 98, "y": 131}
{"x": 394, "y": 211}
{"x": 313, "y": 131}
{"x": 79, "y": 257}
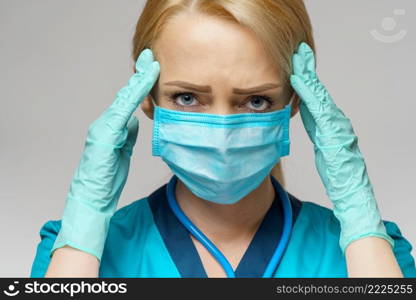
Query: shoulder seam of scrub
{"x": 326, "y": 215}
{"x": 320, "y": 207}
{"x": 310, "y": 203}
{"x": 122, "y": 211}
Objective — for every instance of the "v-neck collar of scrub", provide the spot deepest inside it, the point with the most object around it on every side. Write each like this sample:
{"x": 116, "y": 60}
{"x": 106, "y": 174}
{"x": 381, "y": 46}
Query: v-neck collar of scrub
{"x": 185, "y": 255}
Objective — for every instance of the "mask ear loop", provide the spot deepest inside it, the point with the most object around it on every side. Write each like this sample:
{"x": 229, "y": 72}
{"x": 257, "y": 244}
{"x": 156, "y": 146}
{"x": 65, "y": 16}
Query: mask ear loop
{"x": 292, "y": 99}
{"x": 153, "y": 101}
{"x": 154, "y": 105}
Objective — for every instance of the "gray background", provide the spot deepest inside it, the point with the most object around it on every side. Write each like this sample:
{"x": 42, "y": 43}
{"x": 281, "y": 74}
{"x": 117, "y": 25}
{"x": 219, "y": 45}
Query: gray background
{"x": 62, "y": 62}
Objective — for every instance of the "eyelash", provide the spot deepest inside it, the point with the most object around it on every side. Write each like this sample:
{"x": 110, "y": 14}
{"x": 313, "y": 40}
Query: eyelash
{"x": 174, "y": 95}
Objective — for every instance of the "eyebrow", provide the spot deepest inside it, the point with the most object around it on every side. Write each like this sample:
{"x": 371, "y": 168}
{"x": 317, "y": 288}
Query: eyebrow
{"x": 208, "y": 89}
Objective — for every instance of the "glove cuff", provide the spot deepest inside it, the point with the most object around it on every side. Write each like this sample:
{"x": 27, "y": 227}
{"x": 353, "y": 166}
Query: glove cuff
{"x": 83, "y": 228}
{"x": 359, "y": 217}
{"x": 346, "y": 241}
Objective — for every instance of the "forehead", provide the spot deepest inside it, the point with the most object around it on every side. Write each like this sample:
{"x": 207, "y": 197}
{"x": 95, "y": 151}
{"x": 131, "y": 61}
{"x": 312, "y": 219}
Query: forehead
{"x": 200, "y": 47}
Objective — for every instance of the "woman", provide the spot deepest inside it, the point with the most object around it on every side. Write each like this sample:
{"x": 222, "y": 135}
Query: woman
{"x": 221, "y": 79}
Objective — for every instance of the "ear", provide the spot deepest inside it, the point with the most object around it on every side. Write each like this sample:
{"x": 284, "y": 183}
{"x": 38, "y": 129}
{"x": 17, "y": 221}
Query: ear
{"x": 295, "y": 104}
{"x": 148, "y": 107}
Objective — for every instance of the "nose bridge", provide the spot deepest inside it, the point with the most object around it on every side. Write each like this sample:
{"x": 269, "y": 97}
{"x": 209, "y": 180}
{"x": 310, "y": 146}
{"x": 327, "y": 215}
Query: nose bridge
{"x": 221, "y": 110}
{"x": 221, "y": 104}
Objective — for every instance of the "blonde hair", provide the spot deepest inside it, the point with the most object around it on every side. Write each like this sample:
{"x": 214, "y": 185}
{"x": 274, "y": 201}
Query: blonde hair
{"x": 280, "y": 26}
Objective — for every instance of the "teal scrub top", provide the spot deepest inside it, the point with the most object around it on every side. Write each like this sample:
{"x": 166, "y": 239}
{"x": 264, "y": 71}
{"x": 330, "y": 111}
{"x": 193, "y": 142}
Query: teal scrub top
{"x": 145, "y": 239}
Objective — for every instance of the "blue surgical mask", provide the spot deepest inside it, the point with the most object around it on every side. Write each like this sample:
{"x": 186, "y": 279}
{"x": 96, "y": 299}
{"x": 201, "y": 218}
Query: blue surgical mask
{"x": 221, "y": 158}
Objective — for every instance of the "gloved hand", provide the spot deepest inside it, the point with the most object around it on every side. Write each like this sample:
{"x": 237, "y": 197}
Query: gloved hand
{"x": 102, "y": 171}
{"x": 338, "y": 159}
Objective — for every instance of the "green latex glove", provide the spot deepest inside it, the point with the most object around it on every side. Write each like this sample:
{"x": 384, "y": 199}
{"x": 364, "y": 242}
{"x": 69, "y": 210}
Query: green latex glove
{"x": 338, "y": 159}
{"x": 103, "y": 169}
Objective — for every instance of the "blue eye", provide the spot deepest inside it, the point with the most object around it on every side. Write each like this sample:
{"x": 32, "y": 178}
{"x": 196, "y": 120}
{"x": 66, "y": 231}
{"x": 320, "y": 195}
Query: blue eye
{"x": 259, "y": 103}
{"x": 183, "y": 99}
{"x": 187, "y": 100}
